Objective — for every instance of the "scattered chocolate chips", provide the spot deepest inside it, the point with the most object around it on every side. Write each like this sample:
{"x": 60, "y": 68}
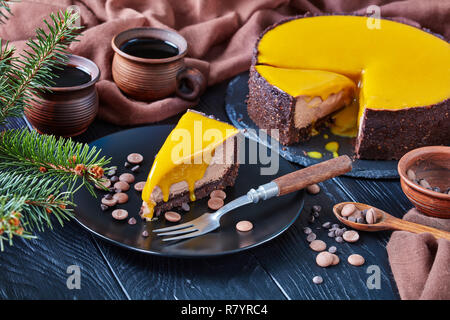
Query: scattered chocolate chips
{"x": 120, "y": 214}
{"x": 339, "y": 239}
{"x": 145, "y": 233}
{"x": 127, "y": 177}
{"x": 316, "y": 208}
{"x": 172, "y": 216}
{"x": 326, "y": 225}
{"x": 132, "y": 221}
{"x": 317, "y": 280}
{"x": 135, "y": 158}
{"x": 218, "y": 194}
{"x": 307, "y": 230}
{"x": 121, "y": 185}
{"x": 126, "y": 165}
{"x": 356, "y": 260}
{"x": 104, "y": 207}
{"x": 114, "y": 179}
{"x": 316, "y": 214}
{"x": 139, "y": 186}
{"x": 135, "y": 168}
{"x": 121, "y": 197}
{"x": 313, "y": 189}
{"x": 411, "y": 175}
{"x": 424, "y": 183}
{"x": 215, "y": 203}
{"x": 244, "y": 226}
{"x": 332, "y": 234}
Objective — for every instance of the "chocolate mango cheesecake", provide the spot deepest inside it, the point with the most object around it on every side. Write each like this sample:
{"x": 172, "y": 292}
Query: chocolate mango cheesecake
{"x": 387, "y": 87}
{"x": 199, "y": 155}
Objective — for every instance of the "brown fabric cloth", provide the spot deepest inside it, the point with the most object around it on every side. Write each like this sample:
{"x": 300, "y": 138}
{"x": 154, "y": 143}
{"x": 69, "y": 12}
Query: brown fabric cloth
{"x": 419, "y": 262}
{"x": 221, "y": 35}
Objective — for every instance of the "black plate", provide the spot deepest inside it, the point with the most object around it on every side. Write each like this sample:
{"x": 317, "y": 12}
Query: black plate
{"x": 236, "y": 108}
{"x": 270, "y": 218}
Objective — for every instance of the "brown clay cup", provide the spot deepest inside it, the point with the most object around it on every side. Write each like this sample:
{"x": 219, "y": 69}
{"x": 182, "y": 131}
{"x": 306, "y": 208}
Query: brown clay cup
{"x": 432, "y": 164}
{"x": 66, "y": 111}
{"x": 152, "y": 79}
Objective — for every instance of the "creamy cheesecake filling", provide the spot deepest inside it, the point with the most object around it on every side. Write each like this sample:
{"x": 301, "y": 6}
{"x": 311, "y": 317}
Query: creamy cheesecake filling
{"x": 396, "y": 66}
{"x": 185, "y": 157}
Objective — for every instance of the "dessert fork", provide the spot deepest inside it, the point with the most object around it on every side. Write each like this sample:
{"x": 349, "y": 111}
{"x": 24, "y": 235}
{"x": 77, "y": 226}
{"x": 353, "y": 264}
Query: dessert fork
{"x": 288, "y": 183}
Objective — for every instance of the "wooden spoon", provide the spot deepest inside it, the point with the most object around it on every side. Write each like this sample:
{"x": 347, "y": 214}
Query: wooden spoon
{"x": 385, "y": 221}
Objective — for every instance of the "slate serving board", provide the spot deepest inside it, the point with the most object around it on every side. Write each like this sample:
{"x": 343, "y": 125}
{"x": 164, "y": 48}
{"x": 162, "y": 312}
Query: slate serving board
{"x": 270, "y": 218}
{"x": 236, "y": 108}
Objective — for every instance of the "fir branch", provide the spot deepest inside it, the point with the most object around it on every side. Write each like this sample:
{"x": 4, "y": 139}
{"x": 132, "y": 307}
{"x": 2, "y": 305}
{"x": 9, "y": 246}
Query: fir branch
{"x": 33, "y": 154}
{"x": 5, "y": 11}
{"x": 32, "y": 72}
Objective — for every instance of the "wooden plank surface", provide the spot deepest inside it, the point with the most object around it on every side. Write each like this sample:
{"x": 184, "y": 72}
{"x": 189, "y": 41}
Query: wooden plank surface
{"x": 280, "y": 269}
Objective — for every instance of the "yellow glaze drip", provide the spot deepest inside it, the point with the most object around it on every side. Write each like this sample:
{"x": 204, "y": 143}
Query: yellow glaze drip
{"x": 398, "y": 66}
{"x": 185, "y": 155}
{"x": 314, "y": 154}
{"x": 333, "y": 147}
{"x": 313, "y": 83}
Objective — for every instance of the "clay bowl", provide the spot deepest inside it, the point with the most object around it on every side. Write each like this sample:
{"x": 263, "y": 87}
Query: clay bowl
{"x": 433, "y": 165}
{"x": 66, "y": 111}
{"x": 152, "y": 79}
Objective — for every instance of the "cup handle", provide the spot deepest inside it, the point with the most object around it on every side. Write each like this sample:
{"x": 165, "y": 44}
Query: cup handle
{"x": 190, "y": 83}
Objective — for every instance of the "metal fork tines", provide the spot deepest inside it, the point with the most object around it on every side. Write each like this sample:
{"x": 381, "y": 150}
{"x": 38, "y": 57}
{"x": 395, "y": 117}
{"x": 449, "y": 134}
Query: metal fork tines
{"x": 211, "y": 221}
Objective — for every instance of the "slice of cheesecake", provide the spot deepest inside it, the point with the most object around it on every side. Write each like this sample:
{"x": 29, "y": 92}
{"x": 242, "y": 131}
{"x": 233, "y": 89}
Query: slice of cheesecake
{"x": 402, "y": 75}
{"x": 199, "y": 155}
{"x": 311, "y": 96}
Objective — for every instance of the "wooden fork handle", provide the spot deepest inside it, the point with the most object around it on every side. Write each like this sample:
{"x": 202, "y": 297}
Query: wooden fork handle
{"x": 403, "y": 225}
{"x": 317, "y": 173}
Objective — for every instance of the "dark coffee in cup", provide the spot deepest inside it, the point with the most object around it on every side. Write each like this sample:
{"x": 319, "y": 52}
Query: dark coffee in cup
{"x": 69, "y": 76}
{"x": 149, "y": 48}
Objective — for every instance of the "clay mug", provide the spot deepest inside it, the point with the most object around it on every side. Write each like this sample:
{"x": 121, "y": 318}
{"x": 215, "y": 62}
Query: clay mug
{"x": 66, "y": 111}
{"x": 152, "y": 79}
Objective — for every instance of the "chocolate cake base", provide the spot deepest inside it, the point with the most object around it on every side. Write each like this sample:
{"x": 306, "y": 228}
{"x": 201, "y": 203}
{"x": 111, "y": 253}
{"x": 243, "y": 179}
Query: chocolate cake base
{"x": 271, "y": 108}
{"x": 388, "y": 135}
{"x": 204, "y": 191}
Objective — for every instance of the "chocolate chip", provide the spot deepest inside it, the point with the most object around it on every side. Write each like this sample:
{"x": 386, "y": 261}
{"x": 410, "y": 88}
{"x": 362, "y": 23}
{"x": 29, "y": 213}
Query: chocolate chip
{"x": 145, "y": 233}
{"x": 215, "y": 203}
{"x": 122, "y": 185}
{"x": 332, "y": 249}
{"x": 313, "y": 189}
{"x": 185, "y": 206}
{"x": 361, "y": 220}
{"x": 121, "y": 197}
{"x": 108, "y": 196}
{"x": 112, "y": 172}
{"x": 311, "y": 237}
{"x": 119, "y": 214}
{"x": 103, "y": 207}
{"x": 132, "y": 221}
{"x": 244, "y": 226}
{"x": 127, "y": 177}
{"x": 356, "y": 260}
{"x": 311, "y": 219}
{"x": 351, "y": 219}
{"x": 109, "y": 202}
{"x": 411, "y": 175}
{"x": 139, "y": 186}
{"x": 317, "y": 208}
{"x": 317, "y": 280}
{"x": 316, "y": 214}
{"x": 114, "y": 179}
{"x": 126, "y": 165}
{"x": 424, "y": 183}
{"x": 335, "y": 226}
{"x": 437, "y": 189}
{"x": 307, "y": 230}
{"x": 135, "y": 168}
{"x": 135, "y": 158}
{"x": 172, "y": 216}
{"x": 338, "y": 232}
{"x": 339, "y": 239}
{"x": 326, "y": 225}
{"x": 351, "y": 236}
{"x": 218, "y": 194}
{"x": 332, "y": 234}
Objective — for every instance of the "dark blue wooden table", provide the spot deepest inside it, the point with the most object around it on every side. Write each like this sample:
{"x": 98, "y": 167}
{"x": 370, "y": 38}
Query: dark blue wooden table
{"x": 280, "y": 269}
